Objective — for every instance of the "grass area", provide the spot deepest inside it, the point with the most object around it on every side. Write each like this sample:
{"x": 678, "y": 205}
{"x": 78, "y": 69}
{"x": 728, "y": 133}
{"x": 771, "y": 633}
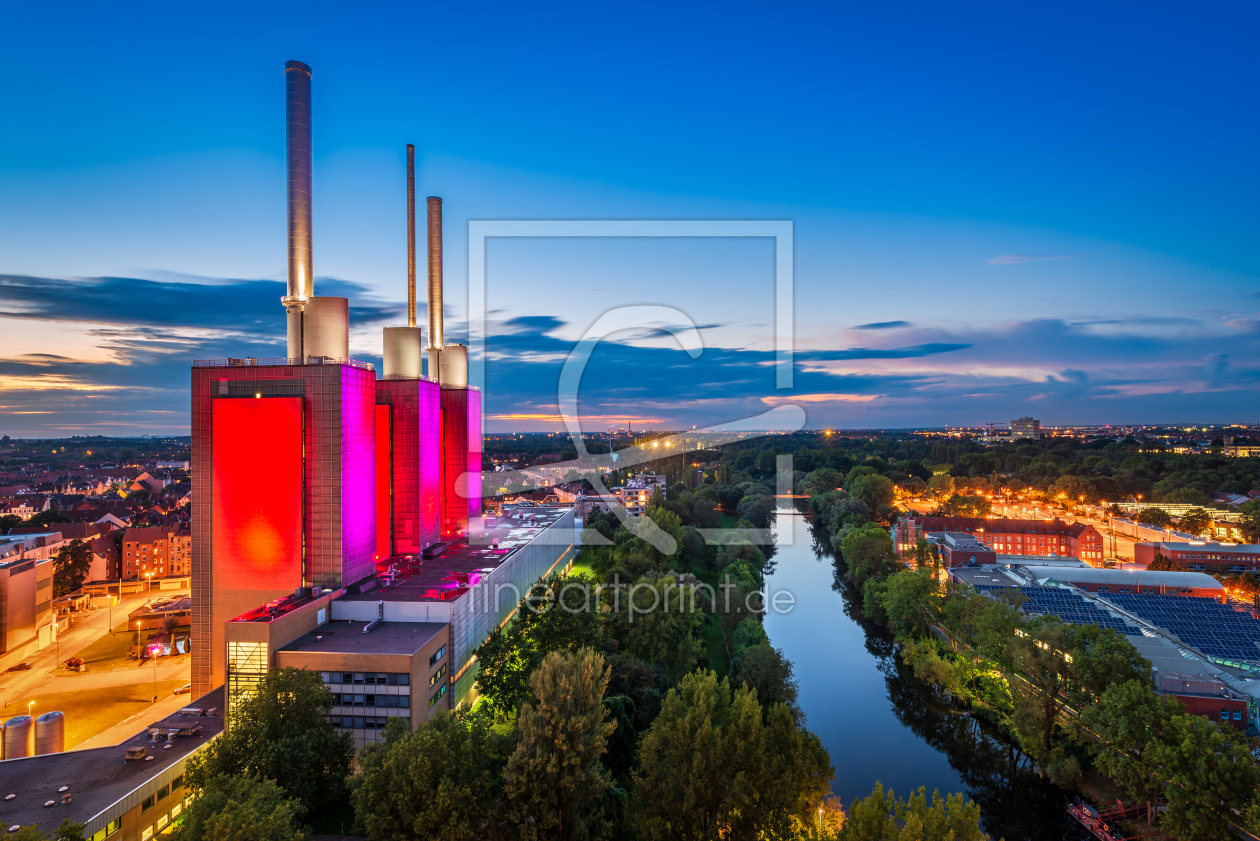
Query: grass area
{"x": 90, "y": 712}
{"x": 714, "y": 647}
{"x": 582, "y": 567}
{"x": 111, "y": 653}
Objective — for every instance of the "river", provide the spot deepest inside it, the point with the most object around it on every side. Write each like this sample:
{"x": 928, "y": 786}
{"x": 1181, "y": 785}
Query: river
{"x": 881, "y": 723}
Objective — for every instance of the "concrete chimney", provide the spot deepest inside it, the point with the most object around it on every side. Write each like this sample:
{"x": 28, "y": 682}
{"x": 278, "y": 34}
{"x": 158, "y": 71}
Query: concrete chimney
{"x": 297, "y": 82}
{"x": 436, "y": 334}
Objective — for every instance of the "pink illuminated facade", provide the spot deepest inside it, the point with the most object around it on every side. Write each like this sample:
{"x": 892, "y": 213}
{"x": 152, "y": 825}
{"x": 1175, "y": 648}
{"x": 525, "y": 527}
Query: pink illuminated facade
{"x": 461, "y": 460}
{"x": 416, "y": 465}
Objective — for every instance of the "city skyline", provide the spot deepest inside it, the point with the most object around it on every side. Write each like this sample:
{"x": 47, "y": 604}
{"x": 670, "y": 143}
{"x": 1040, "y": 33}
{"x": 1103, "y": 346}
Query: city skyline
{"x": 1033, "y": 231}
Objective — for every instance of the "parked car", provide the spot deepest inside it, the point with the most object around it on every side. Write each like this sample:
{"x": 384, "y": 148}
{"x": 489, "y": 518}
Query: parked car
{"x": 20, "y": 667}
{"x": 184, "y": 690}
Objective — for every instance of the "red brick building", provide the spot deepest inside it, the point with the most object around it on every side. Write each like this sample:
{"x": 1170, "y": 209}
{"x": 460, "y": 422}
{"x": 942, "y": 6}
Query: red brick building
{"x": 1009, "y": 536}
{"x": 1202, "y": 556}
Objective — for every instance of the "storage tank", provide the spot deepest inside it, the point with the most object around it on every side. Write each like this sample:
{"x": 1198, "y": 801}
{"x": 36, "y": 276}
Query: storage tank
{"x": 403, "y": 352}
{"x": 328, "y": 327}
{"x": 50, "y": 733}
{"x": 19, "y": 735}
{"x": 454, "y": 366}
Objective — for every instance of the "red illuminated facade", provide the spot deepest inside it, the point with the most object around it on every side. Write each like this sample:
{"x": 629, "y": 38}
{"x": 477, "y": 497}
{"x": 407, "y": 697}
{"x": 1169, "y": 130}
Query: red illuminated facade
{"x": 1010, "y": 536}
{"x": 336, "y": 437}
{"x": 383, "y": 475}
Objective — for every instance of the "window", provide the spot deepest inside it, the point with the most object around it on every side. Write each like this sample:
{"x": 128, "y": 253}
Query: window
{"x": 163, "y": 792}
{"x": 1224, "y": 715}
{"x": 437, "y": 696}
{"x": 404, "y": 679}
{"x": 1237, "y": 715}
{"x": 147, "y": 804}
{"x": 162, "y": 821}
{"x": 438, "y": 675}
{"x": 437, "y": 655}
{"x": 332, "y": 677}
{"x": 147, "y": 834}
{"x": 177, "y": 783}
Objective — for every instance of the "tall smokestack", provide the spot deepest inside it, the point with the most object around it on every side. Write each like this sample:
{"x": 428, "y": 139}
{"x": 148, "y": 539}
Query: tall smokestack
{"x": 435, "y": 286}
{"x": 403, "y": 350}
{"x": 297, "y": 81}
{"x": 411, "y": 235}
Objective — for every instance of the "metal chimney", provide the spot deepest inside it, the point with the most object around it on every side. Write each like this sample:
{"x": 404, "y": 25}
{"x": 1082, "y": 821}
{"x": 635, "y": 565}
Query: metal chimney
{"x": 402, "y": 346}
{"x": 411, "y": 235}
{"x": 297, "y": 81}
{"x": 435, "y": 286}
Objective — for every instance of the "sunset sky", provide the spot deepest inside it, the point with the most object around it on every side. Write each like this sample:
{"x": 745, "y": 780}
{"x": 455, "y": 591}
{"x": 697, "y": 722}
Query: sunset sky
{"x": 997, "y": 212}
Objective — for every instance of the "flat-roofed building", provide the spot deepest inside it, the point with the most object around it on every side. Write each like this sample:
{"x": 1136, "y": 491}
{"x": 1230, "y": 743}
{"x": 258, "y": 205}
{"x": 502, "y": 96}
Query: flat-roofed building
{"x": 1138, "y": 582}
{"x": 1202, "y": 556}
{"x": 127, "y": 792}
{"x": 1027, "y": 428}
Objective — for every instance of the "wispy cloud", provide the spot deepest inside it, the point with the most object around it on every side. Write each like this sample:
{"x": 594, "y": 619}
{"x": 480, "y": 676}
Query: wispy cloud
{"x": 1015, "y": 259}
{"x": 882, "y": 325}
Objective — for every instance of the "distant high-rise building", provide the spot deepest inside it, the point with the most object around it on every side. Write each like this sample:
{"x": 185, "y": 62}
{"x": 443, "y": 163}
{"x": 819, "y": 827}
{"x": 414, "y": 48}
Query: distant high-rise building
{"x": 1026, "y": 428}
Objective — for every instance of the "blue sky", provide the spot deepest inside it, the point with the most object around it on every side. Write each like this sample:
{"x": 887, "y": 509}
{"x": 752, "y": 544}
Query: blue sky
{"x": 1045, "y": 211}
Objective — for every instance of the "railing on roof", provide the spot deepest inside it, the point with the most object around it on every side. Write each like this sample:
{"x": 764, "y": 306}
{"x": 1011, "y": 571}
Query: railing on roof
{"x": 254, "y": 362}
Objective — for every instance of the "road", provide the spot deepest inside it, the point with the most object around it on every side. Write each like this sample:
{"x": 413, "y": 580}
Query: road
{"x": 88, "y": 628}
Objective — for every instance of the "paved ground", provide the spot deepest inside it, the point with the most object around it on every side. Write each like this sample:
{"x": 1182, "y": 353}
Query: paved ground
{"x": 88, "y": 628}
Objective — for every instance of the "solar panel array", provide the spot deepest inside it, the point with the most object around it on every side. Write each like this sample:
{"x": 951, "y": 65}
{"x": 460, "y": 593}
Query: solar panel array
{"x": 1067, "y": 605}
{"x": 1215, "y": 629}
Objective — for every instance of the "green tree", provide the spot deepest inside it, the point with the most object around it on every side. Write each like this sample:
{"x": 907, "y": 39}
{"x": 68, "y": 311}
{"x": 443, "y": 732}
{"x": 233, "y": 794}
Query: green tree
{"x": 882, "y": 817}
{"x": 960, "y": 505}
{"x": 764, "y": 669}
{"x": 1160, "y": 563}
{"x": 47, "y": 518}
{"x": 1196, "y": 521}
{"x": 1102, "y": 657}
{"x": 442, "y": 781}
{"x": 1249, "y": 525}
{"x": 1128, "y": 718}
{"x": 71, "y": 567}
{"x": 282, "y": 733}
{"x": 868, "y": 552}
{"x": 9, "y": 521}
{"x": 559, "y": 614}
{"x": 707, "y": 770}
{"x": 910, "y": 600}
{"x": 554, "y": 781}
{"x": 1157, "y": 517}
{"x": 243, "y": 808}
{"x": 941, "y": 486}
{"x": 1210, "y": 777}
{"x": 664, "y": 626}
{"x": 873, "y": 489}
{"x": 1038, "y": 655}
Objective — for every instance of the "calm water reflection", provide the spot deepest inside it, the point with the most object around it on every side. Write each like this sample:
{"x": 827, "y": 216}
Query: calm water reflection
{"x": 879, "y": 721}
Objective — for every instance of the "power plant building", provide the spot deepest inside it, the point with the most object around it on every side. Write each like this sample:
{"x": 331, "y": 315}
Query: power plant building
{"x": 337, "y": 520}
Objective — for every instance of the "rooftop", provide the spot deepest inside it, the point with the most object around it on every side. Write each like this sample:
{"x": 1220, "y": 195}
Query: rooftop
{"x": 1208, "y": 546}
{"x": 978, "y": 576}
{"x": 347, "y": 637}
{"x": 451, "y": 571}
{"x": 1093, "y": 575}
{"x": 100, "y": 777}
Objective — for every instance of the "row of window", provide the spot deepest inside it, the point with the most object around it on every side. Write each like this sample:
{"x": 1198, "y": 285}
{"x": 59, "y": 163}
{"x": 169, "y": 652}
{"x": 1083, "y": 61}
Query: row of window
{"x": 438, "y": 675}
{"x": 367, "y": 678}
{"x": 162, "y": 793}
{"x": 361, "y": 722}
{"x": 160, "y": 823}
{"x": 437, "y": 696}
{"x": 347, "y": 700}
{"x": 1225, "y": 715}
